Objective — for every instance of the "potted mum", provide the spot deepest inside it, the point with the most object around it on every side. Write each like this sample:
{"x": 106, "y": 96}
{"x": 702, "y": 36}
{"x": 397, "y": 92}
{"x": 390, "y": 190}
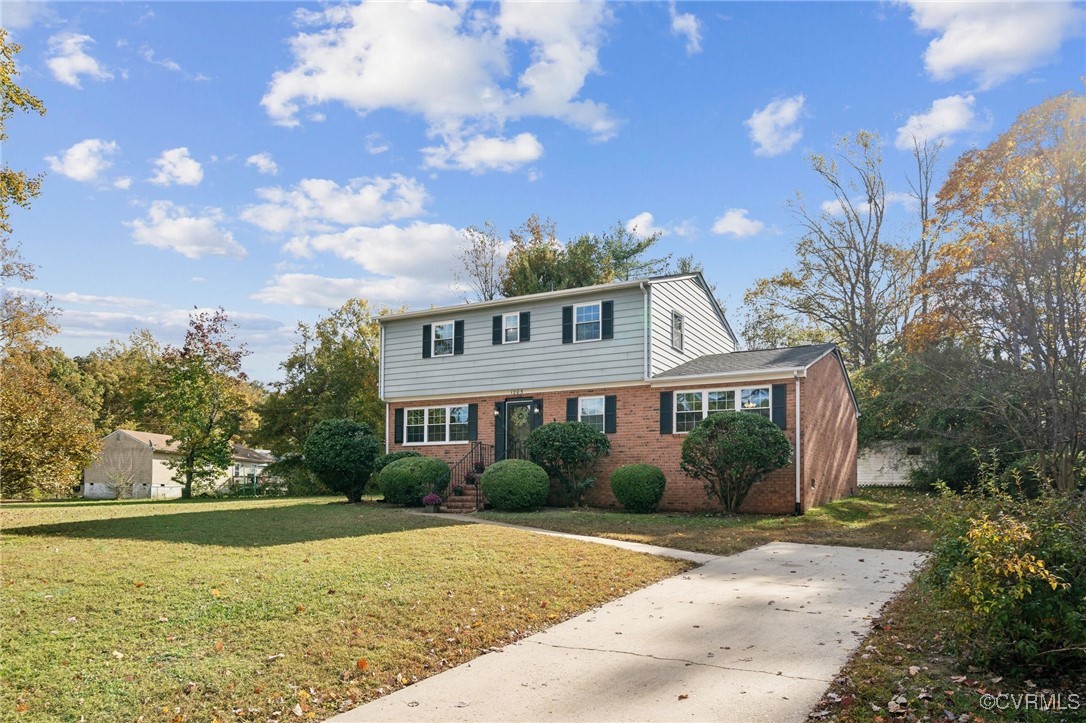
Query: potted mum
{"x": 432, "y": 502}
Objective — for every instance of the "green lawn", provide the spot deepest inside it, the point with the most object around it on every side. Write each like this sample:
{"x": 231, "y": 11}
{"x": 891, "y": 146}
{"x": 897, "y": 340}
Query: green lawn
{"x": 261, "y": 609}
{"x": 894, "y": 519}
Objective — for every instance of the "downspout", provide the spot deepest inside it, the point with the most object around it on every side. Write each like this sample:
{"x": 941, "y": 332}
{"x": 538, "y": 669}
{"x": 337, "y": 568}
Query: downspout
{"x": 799, "y": 478}
{"x": 645, "y": 318}
{"x": 381, "y": 381}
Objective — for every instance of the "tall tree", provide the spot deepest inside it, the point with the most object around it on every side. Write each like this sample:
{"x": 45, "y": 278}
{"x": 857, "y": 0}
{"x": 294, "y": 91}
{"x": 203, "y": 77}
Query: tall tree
{"x": 539, "y": 262}
{"x": 1013, "y": 278}
{"x": 332, "y": 373}
{"x": 202, "y": 398}
{"x": 849, "y": 282}
{"x": 625, "y": 249}
{"x": 921, "y": 187}
{"x": 482, "y": 258}
{"x": 46, "y": 434}
{"x": 125, "y": 373}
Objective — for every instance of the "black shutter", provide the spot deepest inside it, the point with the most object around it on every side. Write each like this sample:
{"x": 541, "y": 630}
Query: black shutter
{"x": 496, "y": 337}
{"x": 473, "y": 422}
{"x": 610, "y": 414}
{"x": 397, "y": 435}
{"x": 607, "y": 312}
{"x": 567, "y": 324}
{"x": 499, "y": 431}
{"x": 525, "y": 326}
{"x": 458, "y": 337}
{"x": 426, "y": 341}
{"x": 780, "y": 397}
{"x": 537, "y": 416}
{"x": 666, "y": 401}
{"x": 571, "y": 409}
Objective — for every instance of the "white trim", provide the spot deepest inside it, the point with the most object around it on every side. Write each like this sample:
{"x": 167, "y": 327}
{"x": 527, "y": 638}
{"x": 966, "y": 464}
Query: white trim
{"x": 736, "y": 400}
{"x": 511, "y": 315}
{"x": 646, "y": 321}
{"x": 503, "y": 393}
{"x": 433, "y": 338}
{"x": 585, "y": 323}
{"x": 381, "y": 366}
{"x": 751, "y": 375}
{"x": 799, "y": 478}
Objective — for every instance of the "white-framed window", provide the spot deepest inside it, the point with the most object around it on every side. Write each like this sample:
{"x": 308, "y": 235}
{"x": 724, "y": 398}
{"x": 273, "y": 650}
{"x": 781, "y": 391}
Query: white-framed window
{"x": 693, "y": 406}
{"x": 442, "y": 340}
{"x": 590, "y": 411}
{"x": 510, "y": 328}
{"x": 436, "y": 425}
{"x": 677, "y": 323}
{"x": 587, "y": 324}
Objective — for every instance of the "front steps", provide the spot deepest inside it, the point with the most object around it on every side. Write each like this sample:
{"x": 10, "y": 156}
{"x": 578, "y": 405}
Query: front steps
{"x": 462, "y": 504}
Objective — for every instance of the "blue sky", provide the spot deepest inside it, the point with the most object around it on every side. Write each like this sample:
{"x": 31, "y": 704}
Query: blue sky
{"x": 278, "y": 158}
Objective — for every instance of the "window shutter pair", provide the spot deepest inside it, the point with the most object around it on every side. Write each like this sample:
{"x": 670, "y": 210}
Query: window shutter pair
{"x": 498, "y": 328}
{"x": 607, "y": 322}
{"x": 473, "y": 424}
{"x": 610, "y": 412}
{"x": 458, "y": 338}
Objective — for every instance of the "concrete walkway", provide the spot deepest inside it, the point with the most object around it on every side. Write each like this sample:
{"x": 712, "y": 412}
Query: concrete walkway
{"x": 756, "y": 636}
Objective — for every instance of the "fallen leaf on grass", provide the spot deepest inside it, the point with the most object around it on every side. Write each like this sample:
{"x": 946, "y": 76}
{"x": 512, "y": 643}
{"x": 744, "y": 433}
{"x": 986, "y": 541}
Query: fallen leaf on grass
{"x": 218, "y": 646}
{"x": 362, "y": 664}
{"x": 215, "y": 592}
{"x": 139, "y": 584}
{"x": 117, "y": 654}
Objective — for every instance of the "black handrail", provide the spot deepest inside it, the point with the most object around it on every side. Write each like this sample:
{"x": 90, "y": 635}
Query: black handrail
{"x": 471, "y": 466}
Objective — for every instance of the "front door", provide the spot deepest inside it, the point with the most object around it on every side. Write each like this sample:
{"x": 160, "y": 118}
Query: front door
{"x": 518, "y": 423}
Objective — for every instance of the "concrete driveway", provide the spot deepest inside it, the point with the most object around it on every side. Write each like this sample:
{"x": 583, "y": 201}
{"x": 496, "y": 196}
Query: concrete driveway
{"x": 750, "y": 637}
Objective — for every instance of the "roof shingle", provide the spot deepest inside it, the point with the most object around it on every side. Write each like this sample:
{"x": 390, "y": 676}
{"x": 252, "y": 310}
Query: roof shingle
{"x": 738, "y": 362}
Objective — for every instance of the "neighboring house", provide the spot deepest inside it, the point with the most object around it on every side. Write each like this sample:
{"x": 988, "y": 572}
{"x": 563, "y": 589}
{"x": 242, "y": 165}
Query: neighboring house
{"x": 641, "y": 360}
{"x": 887, "y": 463}
{"x": 134, "y": 464}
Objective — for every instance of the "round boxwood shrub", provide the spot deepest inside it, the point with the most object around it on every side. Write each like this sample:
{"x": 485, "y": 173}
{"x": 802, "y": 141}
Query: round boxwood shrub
{"x": 386, "y": 459}
{"x": 638, "y": 487}
{"x": 407, "y": 480}
{"x": 516, "y": 484}
{"x": 340, "y": 453}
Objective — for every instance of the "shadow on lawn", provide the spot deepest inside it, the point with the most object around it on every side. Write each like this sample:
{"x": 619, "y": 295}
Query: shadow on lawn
{"x": 245, "y": 527}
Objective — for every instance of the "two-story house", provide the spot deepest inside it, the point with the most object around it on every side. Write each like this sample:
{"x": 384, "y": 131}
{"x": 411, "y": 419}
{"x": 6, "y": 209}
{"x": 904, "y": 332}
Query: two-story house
{"x": 641, "y": 360}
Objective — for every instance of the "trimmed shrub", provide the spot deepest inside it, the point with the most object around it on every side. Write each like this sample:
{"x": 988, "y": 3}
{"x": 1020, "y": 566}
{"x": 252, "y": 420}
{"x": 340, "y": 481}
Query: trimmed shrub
{"x": 638, "y": 487}
{"x": 729, "y": 452}
{"x": 340, "y": 453}
{"x": 386, "y": 459}
{"x": 407, "y": 480}
{"x": 513, "y": 485}
{"x": 569, "y": 452}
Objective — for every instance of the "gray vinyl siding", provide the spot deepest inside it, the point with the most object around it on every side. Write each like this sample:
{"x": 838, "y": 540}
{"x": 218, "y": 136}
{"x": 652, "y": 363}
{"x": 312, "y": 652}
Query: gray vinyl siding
{"x": 703, "y": 333}
{"x": 543, "y": 362}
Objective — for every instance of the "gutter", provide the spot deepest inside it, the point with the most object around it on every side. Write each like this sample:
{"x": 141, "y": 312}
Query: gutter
{"x": 799, "y": 457}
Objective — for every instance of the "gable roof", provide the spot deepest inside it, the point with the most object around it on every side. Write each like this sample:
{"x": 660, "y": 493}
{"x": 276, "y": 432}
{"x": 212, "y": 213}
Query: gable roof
{"x": 161, "y": 443}
{"x": 740, "y": 362}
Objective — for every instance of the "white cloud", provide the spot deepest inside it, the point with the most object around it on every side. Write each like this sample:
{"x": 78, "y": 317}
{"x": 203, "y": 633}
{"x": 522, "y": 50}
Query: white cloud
{"x": 148, "y": 54}
{"x": 643, "y": 224}
{"x": 264, "y": 163}
{"x": 171, "y": 227}
{"x": 946, "y": 117}
{"x": 85, "y": 161}
{"x": 320, "y": 204}
{"x": 420, "y": 250}
{"x": 484, "y": 154}
{"x": 68, "y": 60}
{"x": 72, "y": 297}
{"x": 322, "y": 292}
{"x": 687, "y": 25}
{"x": 735, "y": 222}
{"x": 122, "y": 183}
{"x": 176, "y": 166}
{"x": 20, "y": 15}
{"x": 993, "y": 41}
{"x": 774, "y": 128}
{"x": 376, "y": 144}
{"x": 450, "y": 64}
{"x": 834, "y": 207}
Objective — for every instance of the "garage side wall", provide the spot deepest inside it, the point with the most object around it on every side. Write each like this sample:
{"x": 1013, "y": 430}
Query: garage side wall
{"x": 829, "y": 434}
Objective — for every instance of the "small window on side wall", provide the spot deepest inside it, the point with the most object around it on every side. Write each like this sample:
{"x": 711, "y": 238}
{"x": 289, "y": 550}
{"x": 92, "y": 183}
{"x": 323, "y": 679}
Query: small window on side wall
{"x": 677, "y": 323}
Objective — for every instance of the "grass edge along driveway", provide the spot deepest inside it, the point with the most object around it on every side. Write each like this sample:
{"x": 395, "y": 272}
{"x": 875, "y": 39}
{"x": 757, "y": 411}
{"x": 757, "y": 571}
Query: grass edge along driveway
{"x": 268, "y": 609}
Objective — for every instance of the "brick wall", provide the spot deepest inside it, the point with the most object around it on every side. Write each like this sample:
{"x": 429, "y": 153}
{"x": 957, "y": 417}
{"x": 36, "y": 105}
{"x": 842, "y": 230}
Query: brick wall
{"x": 829, "y": 435}
{"x": 638, "y": 439}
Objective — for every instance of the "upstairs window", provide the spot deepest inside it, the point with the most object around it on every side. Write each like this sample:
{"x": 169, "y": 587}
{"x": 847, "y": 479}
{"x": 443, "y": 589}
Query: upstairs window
{"x": 443, "y": 339}
{"x": 586, "y": 322}
{"x": 510, "y": 328}
{"x": 677, "y": 324}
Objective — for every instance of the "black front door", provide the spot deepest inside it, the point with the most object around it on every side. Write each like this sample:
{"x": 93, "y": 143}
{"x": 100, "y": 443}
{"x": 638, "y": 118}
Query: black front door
{"x": 518, "y": 423}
